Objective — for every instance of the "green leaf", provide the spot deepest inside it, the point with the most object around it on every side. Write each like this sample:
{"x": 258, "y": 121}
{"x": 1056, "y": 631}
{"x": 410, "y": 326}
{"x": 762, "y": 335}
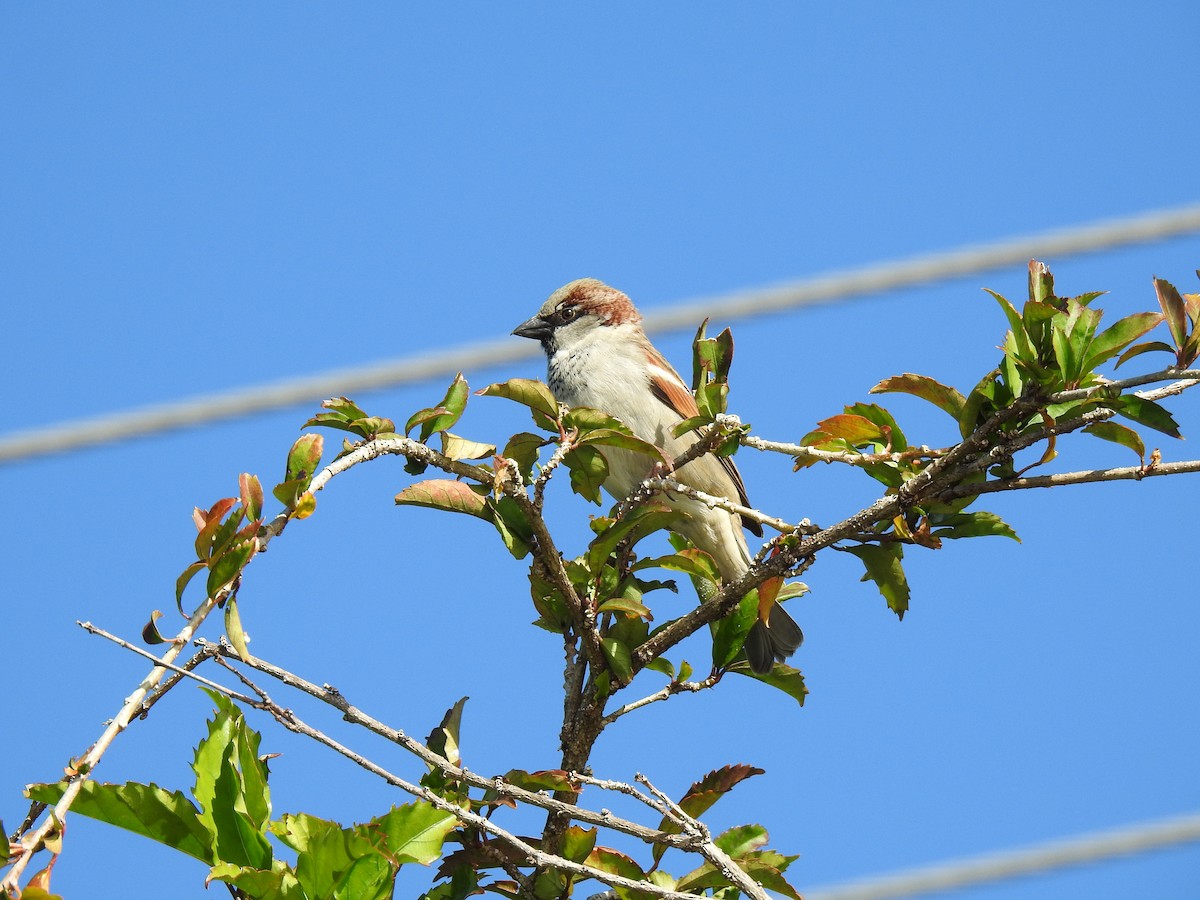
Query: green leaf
{"x": 616, "y": 863}
{"x": 765, "y": 867}
{"x": 782, "y": 677}
{"x": 527, "y": 392}
{"x": 234, "y": 630}
{"x": 578, "y": 843}
{"x": 523, "y": 450}
{"x": 970, "y": 524}
{"x": 414, "y": 832}
{"x": 588, "y": 469}
{"x": 626, "y": 606}
{"x": 229, "y": 565}
{"x": 690, "y": 561}
{"x": 638, "y": 523}
{"x": 1139, "y": 349}
{"x": 619, "y": 660}
{"x": 447, "y": 494}
{"x": 607, "y": 437}
{"x": 742, "y": 839}
{"x": 544, "y": 780}
{"x": 1017, "y": 325}
{"x": 444, "y": 740}
{"x": 943, "y": 397}
{"x": 181, "y": 582}
{"x": 1146, "y": 412}
{"x": 1119, "y": 434}
{"x": 305, "y": 458}
{"x": 212, "y": 530}
{"x": 145, "y": 809}
{"x": 457, "y": 447}
{"x": 884, "y": 568}
{"x": 259, "y": 884}
{"x": 1118, "y": 336}
{"x": 729, "y": 633}
{"x": 513, "y": 525}
{"x": 453, "y": 403}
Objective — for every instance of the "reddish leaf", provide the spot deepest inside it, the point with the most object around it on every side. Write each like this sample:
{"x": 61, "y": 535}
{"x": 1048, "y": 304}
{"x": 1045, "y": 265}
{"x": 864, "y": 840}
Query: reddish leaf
{"x": 942, "y": 396}
{"x": 442, "y": 493}
{"x": 251, "y": 491}
{"x": 855, "y": 429}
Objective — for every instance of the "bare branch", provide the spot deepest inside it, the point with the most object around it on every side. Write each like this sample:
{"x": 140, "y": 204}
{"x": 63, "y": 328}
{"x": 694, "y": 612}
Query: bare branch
{"x": 86, "y": 764}
{"x": 675, "y": 687}
{"x": 356, "y": 716}
{"x": 1129, "y": 473}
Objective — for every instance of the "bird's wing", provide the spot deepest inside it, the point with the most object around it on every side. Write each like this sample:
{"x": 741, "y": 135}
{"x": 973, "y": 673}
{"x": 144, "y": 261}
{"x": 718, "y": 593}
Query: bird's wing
{"x": 671, "y": 390}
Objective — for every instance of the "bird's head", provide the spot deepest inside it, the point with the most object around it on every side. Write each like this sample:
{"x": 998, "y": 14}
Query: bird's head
{"x": 577, "y": 308}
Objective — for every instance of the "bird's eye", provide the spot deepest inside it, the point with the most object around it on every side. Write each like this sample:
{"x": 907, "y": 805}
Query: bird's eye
{"x": 568, "y": 314}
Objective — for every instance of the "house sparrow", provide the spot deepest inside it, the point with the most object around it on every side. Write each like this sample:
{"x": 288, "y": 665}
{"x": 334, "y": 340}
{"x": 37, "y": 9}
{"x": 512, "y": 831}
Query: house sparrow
{"x": 599, "y": 356}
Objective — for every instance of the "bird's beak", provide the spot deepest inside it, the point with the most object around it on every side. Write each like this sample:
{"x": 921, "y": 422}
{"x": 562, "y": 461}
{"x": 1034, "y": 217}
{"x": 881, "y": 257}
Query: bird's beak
{"x": 536, "y": 328}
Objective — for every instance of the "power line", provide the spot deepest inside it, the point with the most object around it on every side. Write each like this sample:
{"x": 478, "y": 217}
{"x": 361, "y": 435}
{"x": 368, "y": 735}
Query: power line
{"x": 1012, "y": 864}
{"x": 835, "y": 286}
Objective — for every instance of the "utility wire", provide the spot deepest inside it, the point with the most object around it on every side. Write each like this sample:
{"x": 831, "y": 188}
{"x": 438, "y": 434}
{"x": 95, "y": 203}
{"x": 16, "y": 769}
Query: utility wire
{"x": 835, "y": 286}
{"x": 1014, "y": 863}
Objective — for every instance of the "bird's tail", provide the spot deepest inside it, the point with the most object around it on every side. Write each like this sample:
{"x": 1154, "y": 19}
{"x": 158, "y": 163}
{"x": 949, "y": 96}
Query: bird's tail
{"x": 772, "y": 641}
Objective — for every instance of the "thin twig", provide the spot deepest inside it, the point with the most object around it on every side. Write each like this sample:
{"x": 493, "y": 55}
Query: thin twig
{"x": 1128, "y": 473}
{"x": 675, "y": 687}
{"x": 333, "y": 697}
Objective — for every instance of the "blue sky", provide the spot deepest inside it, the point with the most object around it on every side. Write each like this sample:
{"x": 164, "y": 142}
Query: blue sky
{"x": 200, "y": 198}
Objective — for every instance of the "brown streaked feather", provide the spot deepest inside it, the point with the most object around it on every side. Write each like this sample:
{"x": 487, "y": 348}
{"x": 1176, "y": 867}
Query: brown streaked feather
{"x": 674, "y": 394}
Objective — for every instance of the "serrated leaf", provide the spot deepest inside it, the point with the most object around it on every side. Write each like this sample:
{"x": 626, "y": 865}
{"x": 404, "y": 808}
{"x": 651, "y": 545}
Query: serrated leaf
{"x": 741, "y": 839}
{"x": 146, "y": 809}
{"x": 414, "y": 832}
{"x": 1119, "y": 434}
{"x": 527, "y": 392}
{"x": 971, "y": 524}
{"x": 1146, "y": 412}
{"x": 782, "y": 677}
{"x": 942, "y": 396}
{"x": 447, "y": 494}
{"x": 883, "y": 565}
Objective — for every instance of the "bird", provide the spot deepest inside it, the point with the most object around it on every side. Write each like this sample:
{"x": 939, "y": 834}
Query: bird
{"x": 598, "y": 355}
